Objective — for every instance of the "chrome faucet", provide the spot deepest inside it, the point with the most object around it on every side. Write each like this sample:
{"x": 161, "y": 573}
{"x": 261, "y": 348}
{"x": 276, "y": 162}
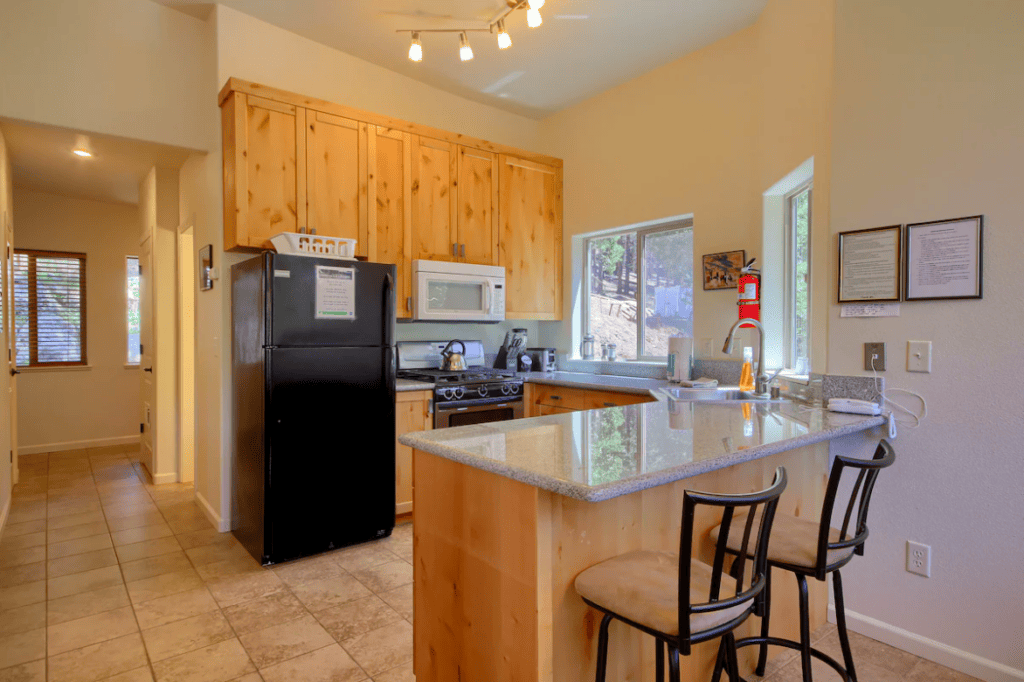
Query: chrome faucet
{"x": 762, "y": 381}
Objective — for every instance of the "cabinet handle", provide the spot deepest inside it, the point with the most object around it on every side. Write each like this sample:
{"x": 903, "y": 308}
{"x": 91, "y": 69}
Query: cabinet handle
{"x": 462, "y": 250}
{"x": 455, "y": 250}
{"x": 556, "y": 397}
{"x": 610, "y": 405}
{"x": 408, "y": 304}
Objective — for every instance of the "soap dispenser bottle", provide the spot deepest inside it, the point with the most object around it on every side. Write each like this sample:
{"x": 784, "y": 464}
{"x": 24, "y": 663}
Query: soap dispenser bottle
{"x": 747, "y": 374}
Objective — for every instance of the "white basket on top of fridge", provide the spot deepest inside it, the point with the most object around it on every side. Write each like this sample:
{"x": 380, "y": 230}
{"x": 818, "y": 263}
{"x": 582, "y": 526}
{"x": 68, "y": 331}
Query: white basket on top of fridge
{"x": 297, "y": 244}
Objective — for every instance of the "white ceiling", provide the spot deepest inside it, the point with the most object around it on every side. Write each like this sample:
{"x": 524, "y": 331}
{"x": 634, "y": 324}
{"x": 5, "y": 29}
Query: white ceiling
{"x": 41, "y": 159}
{"x": 583, "y": 48}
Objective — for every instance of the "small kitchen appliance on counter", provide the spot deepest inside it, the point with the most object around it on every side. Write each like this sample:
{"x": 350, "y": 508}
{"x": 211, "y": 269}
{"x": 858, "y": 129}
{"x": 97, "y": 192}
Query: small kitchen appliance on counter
{"x": 476, "y": 395}
{"x": 543, "y": 359}
{"x": 508, "y": 354}
{"x": 313, "y": 370}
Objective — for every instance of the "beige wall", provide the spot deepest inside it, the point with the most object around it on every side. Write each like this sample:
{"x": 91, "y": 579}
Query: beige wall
{"x": 705, "y": 135}
{"x": 928, "y": 126}
{"x": 60, "y": 409}
{"x": 122, "y": 67}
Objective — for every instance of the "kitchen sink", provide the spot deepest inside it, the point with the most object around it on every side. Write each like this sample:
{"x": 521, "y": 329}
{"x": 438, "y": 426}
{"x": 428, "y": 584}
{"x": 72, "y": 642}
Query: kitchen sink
{"x": 720, "y": 394}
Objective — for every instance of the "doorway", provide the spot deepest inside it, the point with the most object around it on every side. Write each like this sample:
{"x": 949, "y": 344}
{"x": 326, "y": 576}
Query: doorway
{"x": 186, "y": 352}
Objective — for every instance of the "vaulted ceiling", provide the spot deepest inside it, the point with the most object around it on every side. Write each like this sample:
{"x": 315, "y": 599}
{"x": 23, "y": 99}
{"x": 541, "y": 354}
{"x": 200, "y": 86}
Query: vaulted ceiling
{"x": 584, "y": 47}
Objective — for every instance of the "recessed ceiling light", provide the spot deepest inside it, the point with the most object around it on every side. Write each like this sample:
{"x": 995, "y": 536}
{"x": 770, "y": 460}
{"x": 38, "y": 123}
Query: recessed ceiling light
{"x": 81, "y": 152}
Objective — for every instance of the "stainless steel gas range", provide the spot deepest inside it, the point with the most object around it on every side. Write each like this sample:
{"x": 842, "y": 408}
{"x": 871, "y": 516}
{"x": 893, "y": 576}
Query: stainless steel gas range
{"x": 476, "y": 395}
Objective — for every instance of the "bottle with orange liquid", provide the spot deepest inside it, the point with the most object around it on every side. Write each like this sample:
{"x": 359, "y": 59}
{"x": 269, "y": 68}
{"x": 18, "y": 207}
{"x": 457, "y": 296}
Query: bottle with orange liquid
{"x": 747, "y": 374}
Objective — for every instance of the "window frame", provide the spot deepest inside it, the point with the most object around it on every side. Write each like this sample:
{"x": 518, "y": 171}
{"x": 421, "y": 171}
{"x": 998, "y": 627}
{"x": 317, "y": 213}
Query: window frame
{"x": 789, "y": 293}
{"x": 127, "y": 330}
{"x": 33, "y": 333}
{"x": 641, "y": 242}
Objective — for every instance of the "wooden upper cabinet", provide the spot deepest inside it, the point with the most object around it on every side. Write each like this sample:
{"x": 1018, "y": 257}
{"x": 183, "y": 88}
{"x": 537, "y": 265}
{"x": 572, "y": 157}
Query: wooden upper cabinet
{"x": 264, "y": 170}
{"x": 336, "y": 177}
{"x": 531, "y": 238}
{"x": 433, "y": 199}
{"x": 477, "y": 206}
{"x": 390, "y": 196}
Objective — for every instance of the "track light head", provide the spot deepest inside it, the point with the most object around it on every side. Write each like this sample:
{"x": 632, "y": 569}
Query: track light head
{"x": 504, "y": 39}
{"x": 533, "y": 18}
{"x": 416, "y": 49}
{"x": 465, "y": 51}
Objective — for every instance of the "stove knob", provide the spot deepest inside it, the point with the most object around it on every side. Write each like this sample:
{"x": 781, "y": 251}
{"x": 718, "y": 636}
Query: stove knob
{"x": 515, "y": 388}
{"x": 458, "y": 392}
{"x": 506, "y": 388}
{"x": 482, "y": 391}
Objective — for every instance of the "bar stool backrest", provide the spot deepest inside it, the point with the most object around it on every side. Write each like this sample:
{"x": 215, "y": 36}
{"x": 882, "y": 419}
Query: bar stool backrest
{"x": 768, "y": 500}
{"x": 860, "y": 499}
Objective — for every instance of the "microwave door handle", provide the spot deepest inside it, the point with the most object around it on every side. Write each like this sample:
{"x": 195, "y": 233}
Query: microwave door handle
{"x": 487, "y": 298}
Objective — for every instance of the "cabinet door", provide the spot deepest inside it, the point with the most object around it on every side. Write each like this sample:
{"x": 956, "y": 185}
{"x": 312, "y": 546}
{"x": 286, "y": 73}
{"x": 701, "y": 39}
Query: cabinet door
{"x": 412, "y": 413}
{"x": 478, "y": 206}
{"x": 433, "y": 199}
{"x": 274, "y": 150}
{"x": 390, "y": 219}
{"x": 336, "y": 177}
{"x": 531, "y": 238}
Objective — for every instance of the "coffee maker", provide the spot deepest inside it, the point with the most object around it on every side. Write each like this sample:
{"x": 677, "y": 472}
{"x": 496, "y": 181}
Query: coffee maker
{"x": 508, "y": 354}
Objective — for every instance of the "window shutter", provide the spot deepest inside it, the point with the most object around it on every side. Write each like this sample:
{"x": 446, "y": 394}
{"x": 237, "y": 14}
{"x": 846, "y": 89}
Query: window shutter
{"x": 49, "y": 299}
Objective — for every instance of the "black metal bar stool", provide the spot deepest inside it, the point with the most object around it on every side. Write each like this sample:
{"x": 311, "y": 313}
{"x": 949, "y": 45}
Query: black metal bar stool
{"x": 815, "y": 549}
{"x": 681, "y": 603}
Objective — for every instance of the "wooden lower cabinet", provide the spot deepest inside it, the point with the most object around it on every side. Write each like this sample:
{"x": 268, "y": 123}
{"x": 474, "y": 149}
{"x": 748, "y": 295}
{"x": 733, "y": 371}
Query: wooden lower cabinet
{"x": 543, "y": 399}
{"x": 413, "y": 412}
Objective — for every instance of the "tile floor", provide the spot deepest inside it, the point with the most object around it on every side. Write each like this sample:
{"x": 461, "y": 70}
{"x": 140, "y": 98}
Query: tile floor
{"x": 103, "y": 577}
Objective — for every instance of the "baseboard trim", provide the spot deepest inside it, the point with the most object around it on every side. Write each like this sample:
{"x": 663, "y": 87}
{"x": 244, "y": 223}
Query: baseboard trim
{"x": 403, "y": 508}
{"x": 951, "y": 657}
{"x": 76, "y": 445}
{"x": 159, "y": 479}
{"x": 220, "y": 524}
{"x": 4, "y": 513}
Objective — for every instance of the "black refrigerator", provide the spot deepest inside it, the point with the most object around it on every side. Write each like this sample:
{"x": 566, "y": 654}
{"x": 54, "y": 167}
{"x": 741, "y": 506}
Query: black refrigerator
{"x": 313, "y": 364}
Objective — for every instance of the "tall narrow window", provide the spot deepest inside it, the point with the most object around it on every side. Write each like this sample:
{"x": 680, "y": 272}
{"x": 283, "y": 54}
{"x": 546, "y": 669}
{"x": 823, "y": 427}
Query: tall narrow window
{"x": 132, "y": 310}
{"x": 798, "y": 280}
{"x": 639, "y": 286}
{"x": 49, "y": 308}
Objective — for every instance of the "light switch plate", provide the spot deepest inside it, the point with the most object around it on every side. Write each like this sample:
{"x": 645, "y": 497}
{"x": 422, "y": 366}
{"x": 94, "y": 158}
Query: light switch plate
{"x": 877, "y": 349}
{"x": 919, "y": 356}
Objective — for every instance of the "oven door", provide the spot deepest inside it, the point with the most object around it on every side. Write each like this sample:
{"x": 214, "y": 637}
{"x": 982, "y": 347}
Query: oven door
{"x": 455, "y": 415}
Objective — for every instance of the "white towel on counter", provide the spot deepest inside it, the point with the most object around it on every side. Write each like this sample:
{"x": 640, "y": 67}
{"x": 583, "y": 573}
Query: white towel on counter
{"x": 703, "y": 382}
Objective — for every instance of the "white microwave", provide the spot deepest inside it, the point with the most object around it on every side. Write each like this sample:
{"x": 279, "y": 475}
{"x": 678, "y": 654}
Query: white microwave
{"x": 457, "y": 292}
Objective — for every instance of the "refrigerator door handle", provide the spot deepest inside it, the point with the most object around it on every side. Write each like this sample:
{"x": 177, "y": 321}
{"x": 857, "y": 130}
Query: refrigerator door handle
{"x": 389, "y": 308}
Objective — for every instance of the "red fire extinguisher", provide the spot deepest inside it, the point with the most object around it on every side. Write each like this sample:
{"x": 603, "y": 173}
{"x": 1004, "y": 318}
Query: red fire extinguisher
{"x": 750, "y": 293}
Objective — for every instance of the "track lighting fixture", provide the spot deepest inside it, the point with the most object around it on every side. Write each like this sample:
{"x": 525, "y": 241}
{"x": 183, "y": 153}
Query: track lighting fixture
{"x": 504, "y": 39}
{"x": 465, "y": 51}
{"x": 416, "y": 49}
{"x": 495, "y": 25}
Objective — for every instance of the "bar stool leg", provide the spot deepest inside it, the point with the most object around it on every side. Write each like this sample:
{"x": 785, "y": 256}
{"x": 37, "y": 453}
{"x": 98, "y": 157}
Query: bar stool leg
{"x": 762, "y": 656}
{"x": 805, "y": 628}
{"x": 659, "y": 660}
{"x": 844, "y": 637}
{"x": 720, "y": 662}
{"x": 734, "y": 664}
{"x": 602, "y": 648}
{"x": 673, "y": 664}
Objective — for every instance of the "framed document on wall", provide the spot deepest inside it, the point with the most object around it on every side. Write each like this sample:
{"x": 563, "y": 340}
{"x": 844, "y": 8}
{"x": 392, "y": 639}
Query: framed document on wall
{"x": 943, "y": 259}
{"x": 869, "y": 265}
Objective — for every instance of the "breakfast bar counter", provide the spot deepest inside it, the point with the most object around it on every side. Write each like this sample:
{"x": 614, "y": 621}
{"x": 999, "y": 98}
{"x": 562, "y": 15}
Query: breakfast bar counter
{"x": 509, "y": 513}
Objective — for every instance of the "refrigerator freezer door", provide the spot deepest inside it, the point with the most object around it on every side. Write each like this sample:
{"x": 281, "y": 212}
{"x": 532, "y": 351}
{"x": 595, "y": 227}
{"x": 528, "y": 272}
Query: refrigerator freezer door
{"x": 330, "y": 449}
{"x": 294, "y": 286}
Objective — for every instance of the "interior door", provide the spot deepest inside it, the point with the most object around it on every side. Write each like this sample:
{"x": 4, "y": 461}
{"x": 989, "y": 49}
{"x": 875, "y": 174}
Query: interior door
{"x": 9, "y": 383}
{"x": 147, "y": 354}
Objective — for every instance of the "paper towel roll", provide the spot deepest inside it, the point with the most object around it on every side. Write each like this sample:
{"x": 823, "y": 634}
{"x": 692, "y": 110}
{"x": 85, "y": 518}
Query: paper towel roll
{"x": 680, "y": 357}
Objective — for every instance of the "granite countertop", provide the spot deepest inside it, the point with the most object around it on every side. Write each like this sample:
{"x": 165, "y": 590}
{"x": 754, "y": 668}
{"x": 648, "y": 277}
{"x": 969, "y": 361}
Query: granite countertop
{"x": 413, "y": 385}
{"x": 597, "y": 455}
{"x": 603, "y": 382}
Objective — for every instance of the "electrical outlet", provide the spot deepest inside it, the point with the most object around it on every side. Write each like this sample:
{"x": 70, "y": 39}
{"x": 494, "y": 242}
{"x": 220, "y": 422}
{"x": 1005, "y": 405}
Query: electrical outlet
{"x": 874, "y": 352}
{"x": 919, "y": 559}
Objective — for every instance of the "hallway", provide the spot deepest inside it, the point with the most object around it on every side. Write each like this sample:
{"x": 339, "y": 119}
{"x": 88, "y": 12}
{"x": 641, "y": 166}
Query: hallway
{"x": 105, "y": 577}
